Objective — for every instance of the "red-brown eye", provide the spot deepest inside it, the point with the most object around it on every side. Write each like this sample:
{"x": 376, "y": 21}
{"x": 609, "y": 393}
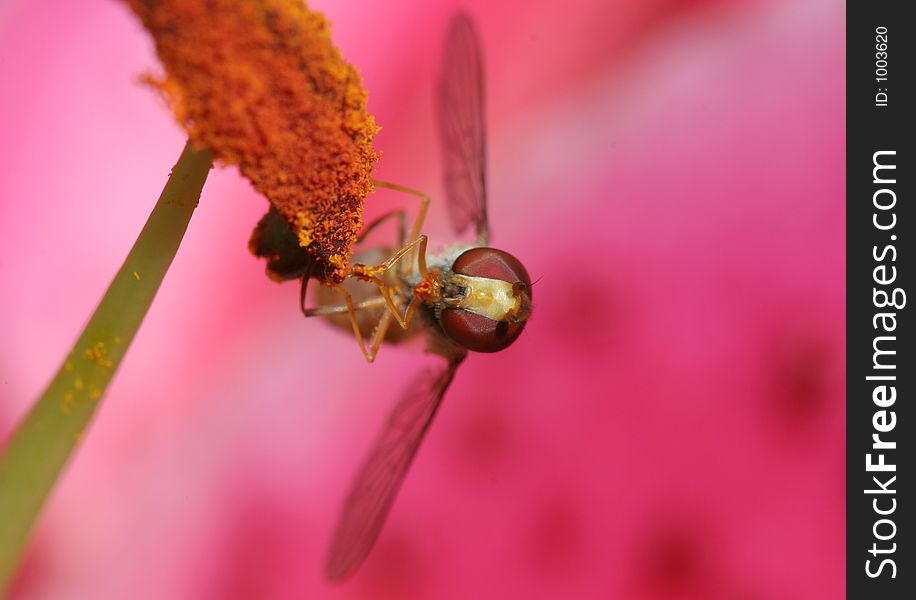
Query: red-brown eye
{"x": 479, "y": 333}
{"x": 492, "y": 264}
{"x": 476, "y": 332}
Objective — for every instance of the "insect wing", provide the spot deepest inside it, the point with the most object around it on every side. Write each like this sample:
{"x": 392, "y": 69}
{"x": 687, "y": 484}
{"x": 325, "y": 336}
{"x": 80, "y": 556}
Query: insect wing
{"x": 462, "y": 127}
{"x": 381, "y": 475}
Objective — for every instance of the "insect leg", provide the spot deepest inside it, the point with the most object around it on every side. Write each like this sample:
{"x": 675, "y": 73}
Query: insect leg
{"x": 351, "y": 309}
{"x": 402, "y": 226}
{"x": 303, "y": 288}
{"x": 374, "y": 275}
{"x": 420, "y": 241}
{"x": 421, "y": 214}
{"x": 379, "y": 335}
{"x": 323, "y": 311}
{"x": 332, "y": 310}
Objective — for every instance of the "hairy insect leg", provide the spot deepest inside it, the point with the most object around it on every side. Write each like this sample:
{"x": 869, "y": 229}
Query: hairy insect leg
{"x": 378, "y": 335}
{"x": 374, "y": 275}
{"x": 421, "y": 214}
{"x": 419, "y": 242}
{"x": 325, "y": 311}
{"x": 401, "y": 216}
{"x": 302, "y": 290}
{"x": 351, "y": 310}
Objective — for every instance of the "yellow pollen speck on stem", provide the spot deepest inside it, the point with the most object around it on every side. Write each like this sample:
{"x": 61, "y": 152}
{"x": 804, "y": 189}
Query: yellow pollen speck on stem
{"x": 66, "y": 405}
{"x": 96, "y": 353}
{"x": 136, "y": 276}
{"x": 95, "y": 393}
{"x": 78, "y": 383}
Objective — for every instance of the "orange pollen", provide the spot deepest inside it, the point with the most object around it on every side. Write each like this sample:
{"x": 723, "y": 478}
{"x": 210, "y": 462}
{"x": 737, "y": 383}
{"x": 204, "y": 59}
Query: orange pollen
{"x": 366, "y": 273}
{"x": 427, "y": 289}
{"x": 260, "y": 83}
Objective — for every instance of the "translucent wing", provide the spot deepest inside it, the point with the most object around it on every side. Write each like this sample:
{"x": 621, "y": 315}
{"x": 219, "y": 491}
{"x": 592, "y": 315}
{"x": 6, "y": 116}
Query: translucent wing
{"x": 461, "y": 123}
{"x": 381, "y": 475}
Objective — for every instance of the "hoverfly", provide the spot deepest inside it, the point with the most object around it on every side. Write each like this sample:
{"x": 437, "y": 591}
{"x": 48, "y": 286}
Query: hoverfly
{"x": 469, "y": 297}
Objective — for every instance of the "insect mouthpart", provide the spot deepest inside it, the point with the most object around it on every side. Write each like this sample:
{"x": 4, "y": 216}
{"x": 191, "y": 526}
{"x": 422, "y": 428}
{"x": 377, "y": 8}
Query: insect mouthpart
{"x": 453, "y": 293}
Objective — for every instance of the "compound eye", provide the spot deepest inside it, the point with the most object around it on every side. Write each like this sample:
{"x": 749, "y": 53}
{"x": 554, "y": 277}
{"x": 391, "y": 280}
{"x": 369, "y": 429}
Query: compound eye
{"x": 492, "y": 264}
{"x": 478, "y": 333}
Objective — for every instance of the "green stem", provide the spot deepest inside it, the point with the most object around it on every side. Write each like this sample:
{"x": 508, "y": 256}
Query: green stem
{"x": 38, "y": 450}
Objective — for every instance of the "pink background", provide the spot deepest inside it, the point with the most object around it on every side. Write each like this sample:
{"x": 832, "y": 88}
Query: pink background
{"x": 672, "y": 423}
